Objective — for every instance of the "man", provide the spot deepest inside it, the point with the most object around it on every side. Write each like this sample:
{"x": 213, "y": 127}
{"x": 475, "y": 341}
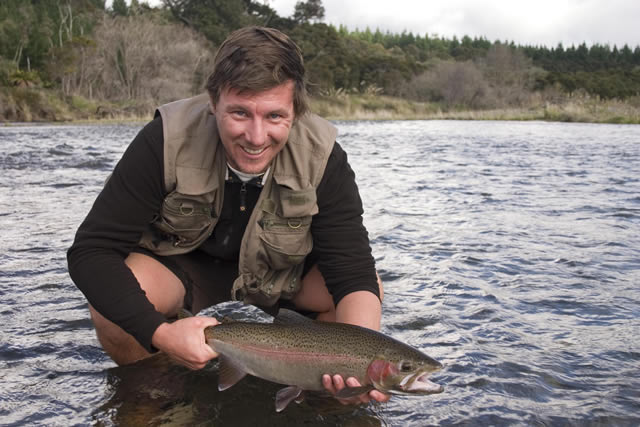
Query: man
{"x": 237, "y": 194}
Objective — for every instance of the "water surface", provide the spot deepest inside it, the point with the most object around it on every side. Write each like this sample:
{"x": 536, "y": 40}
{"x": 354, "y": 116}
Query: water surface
{"x": 509, "y": 251}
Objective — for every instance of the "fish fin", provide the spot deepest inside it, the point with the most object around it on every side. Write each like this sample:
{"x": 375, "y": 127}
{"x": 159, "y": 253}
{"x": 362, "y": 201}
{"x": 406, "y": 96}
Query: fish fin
{"x": 227, "y": 320}
{"x": 183, "y": 313}
{"x": 286, "y": 316}
{"x": 229, "y": 373}
{"x": 353, "y": 391}
{"x": 287, "y": 395}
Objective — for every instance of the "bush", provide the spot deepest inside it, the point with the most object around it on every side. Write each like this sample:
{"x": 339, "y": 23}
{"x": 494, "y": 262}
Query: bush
{"x": 7, "y": 68}
{"x": 454, "y": 84}
{"x": 22, "y": 78}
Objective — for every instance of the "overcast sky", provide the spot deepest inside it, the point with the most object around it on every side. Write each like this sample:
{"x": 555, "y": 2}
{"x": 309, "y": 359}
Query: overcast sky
{"x": 526, "y": 22}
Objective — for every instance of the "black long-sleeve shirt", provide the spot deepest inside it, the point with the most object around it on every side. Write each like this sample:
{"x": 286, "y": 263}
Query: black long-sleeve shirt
{"x": 134, "y": 194}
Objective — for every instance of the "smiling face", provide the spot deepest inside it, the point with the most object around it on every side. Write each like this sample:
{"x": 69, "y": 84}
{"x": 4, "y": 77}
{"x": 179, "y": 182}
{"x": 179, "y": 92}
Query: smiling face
{"x": 254, "y": 127}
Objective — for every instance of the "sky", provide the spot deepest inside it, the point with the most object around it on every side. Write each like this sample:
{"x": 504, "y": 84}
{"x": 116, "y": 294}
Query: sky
{"x": 525, "y": 22}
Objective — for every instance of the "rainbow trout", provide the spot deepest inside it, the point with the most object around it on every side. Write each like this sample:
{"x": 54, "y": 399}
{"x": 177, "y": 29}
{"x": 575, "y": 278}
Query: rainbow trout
{"x": 297, "y": 351}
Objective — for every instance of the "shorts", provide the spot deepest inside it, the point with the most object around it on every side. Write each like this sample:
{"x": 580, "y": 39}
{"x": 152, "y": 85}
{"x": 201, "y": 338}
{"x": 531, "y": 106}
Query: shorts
{"x": 208, "y": 280}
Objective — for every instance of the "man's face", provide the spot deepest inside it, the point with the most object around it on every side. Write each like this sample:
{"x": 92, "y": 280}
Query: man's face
{"x": 254, "y": 127}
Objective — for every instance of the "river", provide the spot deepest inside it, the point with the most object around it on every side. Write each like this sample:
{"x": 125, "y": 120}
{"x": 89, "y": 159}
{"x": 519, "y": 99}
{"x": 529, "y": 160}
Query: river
{"x": 510, "y": 252}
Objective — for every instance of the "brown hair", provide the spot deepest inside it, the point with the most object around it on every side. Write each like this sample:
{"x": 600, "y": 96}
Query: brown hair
{"x": 254, "y": 59}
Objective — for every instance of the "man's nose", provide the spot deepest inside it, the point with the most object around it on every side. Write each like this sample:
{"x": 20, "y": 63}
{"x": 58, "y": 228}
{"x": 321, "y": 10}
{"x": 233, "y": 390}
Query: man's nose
{"x": 256, "y": 133}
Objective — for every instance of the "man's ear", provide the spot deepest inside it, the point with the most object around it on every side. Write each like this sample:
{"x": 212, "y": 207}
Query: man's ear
{"x": 212, "y": 106}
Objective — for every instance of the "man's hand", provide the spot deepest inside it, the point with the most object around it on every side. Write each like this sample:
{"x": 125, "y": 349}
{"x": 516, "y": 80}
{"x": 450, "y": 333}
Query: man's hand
{"x": 184, "y": 341}
{"x": 360, "y": 308}
{"x": 336, "y": 383}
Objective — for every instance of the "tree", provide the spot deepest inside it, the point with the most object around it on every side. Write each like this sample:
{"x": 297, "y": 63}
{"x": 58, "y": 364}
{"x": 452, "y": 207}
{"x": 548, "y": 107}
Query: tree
{"x": 213, "y": 18}
{"x": 454, "y": 84}
{"x": 323, "y": 54}
{"x": 134, "y": 7}
{"x": 262, "y": 13}
{"x": 510, "y": 74}
{"x": 120, "y": 8}
{"x": 307, "y": 11}
{"x": 137, "y": 58}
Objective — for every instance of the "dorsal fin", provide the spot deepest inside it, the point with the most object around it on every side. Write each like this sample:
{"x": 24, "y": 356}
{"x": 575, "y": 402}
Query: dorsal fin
{"x": 286, "y": 316}
{"x": 226, "y": 320}
{"x": 183, "y": 313}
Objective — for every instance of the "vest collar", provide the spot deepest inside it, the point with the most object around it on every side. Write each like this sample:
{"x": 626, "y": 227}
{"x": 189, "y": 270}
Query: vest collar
{"x": 235, "y": 175}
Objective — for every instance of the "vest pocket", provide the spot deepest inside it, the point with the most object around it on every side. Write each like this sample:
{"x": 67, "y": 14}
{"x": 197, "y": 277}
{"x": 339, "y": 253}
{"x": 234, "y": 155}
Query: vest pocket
{"x": 286, "y": 241}
{"x": 186, "y": 219}
{"x": 286, "y": 226}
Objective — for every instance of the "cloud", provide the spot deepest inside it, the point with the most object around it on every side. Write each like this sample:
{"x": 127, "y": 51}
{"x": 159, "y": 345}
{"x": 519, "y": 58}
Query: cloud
{"x": 543, "y": 22}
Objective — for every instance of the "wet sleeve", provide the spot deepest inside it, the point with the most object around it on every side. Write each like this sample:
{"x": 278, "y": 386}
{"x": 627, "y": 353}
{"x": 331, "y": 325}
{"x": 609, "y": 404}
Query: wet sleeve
{"x": 340, "y": 240}
{"x": 121, "y": 212}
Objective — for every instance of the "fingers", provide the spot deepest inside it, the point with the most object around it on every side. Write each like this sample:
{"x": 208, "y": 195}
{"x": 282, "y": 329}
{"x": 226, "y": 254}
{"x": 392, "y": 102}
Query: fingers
{"x": 208, "y": 321}
{"x": 205, "y": 322}
{"x": 379, "y": 396}
{"x": 336, "y": 383}
{"x": 184, "y": 341}
{"x": 333, "y": 385}
{"x": 327, "y": 382}
{"x": 351, "y": 382}
{"x": 206, "y": 353}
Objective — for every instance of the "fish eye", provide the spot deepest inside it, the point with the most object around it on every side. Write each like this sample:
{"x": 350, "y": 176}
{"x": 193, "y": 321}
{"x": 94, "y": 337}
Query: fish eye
{"x": 406, "y": 367}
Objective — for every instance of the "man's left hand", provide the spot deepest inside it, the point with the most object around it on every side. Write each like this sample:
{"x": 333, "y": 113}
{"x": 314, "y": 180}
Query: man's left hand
{"x": 336, "y": 383}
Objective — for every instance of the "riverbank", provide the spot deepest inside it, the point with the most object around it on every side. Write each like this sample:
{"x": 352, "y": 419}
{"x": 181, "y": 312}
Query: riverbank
{"x": 43, "y": 105}
{"x": 24, "y": 104}
{"x": 571, "y": 109}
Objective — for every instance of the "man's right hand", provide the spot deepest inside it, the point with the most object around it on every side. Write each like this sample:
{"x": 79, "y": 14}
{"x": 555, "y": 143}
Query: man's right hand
{"x": 184, "y": 341}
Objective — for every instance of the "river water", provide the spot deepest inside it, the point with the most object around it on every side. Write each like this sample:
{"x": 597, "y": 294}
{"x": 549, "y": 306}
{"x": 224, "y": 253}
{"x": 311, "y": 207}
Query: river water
{"x": 509, "y": 251}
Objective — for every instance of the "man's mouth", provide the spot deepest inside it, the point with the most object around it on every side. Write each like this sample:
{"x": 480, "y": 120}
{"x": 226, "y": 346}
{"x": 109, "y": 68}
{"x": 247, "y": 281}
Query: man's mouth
{"x": 254, "y": 151}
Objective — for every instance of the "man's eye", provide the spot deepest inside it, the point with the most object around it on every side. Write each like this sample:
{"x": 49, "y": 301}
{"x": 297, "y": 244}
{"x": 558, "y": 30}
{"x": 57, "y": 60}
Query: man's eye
{"x": 275, "y": 116}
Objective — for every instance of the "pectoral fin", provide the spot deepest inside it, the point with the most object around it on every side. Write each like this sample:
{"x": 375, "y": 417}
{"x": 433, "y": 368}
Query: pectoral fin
{"x": 287, "y": 395}
{"x": 290, "y": 317}
{"x": 229, "y": 373}
{"x": 353, "y": 391}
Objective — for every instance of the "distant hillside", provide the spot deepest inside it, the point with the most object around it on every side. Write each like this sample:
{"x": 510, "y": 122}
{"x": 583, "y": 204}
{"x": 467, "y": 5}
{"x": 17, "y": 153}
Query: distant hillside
{"x": 126, "y": 59}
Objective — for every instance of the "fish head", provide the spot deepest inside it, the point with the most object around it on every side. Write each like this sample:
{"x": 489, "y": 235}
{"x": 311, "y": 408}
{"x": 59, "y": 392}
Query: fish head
{"x": 407, "y": 375}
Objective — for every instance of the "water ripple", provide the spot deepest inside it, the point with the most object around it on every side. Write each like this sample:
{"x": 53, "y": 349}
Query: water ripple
{"x": 509, "y": 252}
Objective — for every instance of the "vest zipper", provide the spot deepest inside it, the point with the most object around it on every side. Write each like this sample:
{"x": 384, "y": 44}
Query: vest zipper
{"x": 243, "y": 197}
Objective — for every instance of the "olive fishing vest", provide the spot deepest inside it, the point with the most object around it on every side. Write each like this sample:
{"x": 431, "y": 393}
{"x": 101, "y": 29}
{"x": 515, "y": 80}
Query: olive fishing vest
{"x": 278, "y": 236}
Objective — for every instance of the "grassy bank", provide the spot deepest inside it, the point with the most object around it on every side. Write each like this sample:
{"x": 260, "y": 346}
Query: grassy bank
{"x": 42, "y": 105}
{"x": 579, "y": 109}
{"x": 23, "y": 104}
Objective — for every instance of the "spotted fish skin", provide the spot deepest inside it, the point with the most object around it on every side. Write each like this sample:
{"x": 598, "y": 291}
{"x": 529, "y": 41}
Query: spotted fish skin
{"x": 297, "y": 351}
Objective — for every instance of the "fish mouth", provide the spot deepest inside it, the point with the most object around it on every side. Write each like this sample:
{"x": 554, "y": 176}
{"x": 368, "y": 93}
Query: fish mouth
{"x": 420, "y": 383}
